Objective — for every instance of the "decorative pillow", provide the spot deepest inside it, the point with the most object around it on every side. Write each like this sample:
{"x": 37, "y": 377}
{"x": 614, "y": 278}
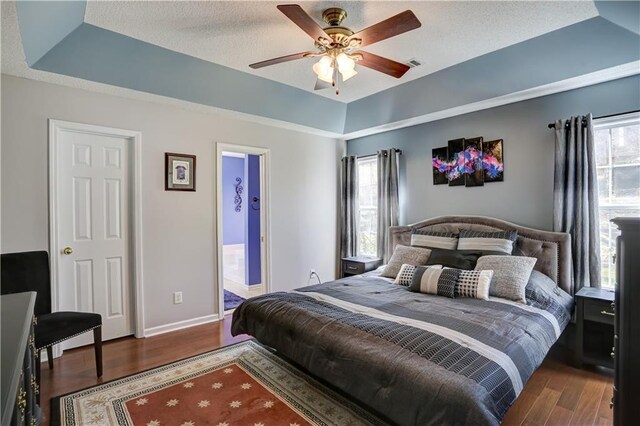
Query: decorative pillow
{"x": 488, "y": 242}
{"x": 510, "y": 275}
{"x": 432, "y": 239}
{"x": 408, "y": 255}
{"x": 405, "y": 275}
{"x": 454, "y": 258}
{"x": 451, "y": 282}
{"x": 541, "y": 291}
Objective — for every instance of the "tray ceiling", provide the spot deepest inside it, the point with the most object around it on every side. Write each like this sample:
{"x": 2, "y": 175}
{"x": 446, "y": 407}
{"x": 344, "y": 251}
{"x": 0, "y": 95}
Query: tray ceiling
{"x": 237, "y": 33}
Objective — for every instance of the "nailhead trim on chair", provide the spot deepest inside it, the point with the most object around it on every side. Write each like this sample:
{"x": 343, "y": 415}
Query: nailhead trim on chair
{"x": 67, "y": 338}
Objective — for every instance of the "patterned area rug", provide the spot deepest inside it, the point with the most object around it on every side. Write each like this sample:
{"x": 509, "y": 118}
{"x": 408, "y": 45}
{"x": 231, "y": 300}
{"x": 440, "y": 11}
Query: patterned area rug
{"x": 232, "y": 300}
{"x": 243, "y": 384}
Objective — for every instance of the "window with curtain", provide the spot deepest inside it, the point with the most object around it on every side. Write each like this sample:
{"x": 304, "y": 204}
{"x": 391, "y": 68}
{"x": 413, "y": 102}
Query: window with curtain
{"x": 367, "y": 206}
{"x": 617, "y": 145}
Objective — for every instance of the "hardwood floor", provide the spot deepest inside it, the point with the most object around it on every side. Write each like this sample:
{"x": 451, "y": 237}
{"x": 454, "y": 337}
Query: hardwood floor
{"x": 556, "y": 394}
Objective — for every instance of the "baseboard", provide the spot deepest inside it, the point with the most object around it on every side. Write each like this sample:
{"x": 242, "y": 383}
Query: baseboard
{"x": 166, "y": 328}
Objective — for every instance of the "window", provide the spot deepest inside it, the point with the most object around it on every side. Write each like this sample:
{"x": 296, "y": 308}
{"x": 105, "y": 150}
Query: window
{"x": 617, "y": 145}
{"x": 367, "y": 206}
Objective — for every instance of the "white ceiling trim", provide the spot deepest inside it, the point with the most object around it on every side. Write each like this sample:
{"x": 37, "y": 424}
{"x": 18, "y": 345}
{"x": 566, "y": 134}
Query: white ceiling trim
{"x": 608, "y": 74}
{"x": 602, "y": 76}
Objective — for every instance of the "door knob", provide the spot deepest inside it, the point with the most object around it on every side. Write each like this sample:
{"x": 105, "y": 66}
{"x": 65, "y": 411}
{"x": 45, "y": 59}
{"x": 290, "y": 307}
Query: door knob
{"x": 67, "y": 250}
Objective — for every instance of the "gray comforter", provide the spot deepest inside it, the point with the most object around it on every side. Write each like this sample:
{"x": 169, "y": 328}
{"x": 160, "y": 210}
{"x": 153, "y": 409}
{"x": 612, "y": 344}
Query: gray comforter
{"x": 419, "y": 359}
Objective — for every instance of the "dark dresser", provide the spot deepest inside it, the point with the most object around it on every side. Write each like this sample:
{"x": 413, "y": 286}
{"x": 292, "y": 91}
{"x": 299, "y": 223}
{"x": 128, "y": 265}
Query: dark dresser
{"x": 19, "y": 390}
{"x": 626, "y": 384}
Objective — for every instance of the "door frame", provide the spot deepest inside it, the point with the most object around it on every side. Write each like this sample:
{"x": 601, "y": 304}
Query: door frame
{"x": 265, "y": 246}
{"x": 135, "y": 231}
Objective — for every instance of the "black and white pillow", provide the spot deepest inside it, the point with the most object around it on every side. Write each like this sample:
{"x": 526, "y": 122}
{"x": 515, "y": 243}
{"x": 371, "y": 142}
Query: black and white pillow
{"x": 451, "y": 282}
{"x": 406, "y": 273}
{"x": 501, "y": 242}
{"x": 434, "y": 239}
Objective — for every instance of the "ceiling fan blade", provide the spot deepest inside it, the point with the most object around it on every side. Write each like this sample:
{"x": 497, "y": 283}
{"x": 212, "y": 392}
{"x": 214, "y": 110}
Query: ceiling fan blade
{"x": 280, "y": 60}
{"x": 398, "y": 24}
{"x": 304, "y": 21}
{"x": 383, "y": 65}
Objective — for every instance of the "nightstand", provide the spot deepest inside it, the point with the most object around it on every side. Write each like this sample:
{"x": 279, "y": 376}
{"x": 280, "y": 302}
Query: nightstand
{"x": 359, "y": 265}
{"x": 595, "y": 324}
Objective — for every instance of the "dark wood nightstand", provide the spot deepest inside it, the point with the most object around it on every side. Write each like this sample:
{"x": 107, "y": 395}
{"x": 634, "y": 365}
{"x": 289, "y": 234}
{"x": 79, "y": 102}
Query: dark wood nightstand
{"x": 359, "y": 265}
{"x": 595, "y": 324}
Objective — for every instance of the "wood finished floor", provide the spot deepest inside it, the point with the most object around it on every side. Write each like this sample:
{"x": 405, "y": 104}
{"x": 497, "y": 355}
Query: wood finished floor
{"x": 556, "y": 394}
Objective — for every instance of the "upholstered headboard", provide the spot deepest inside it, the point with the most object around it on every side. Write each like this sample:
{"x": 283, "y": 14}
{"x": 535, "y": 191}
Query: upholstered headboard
{"x": 552, "y": 249}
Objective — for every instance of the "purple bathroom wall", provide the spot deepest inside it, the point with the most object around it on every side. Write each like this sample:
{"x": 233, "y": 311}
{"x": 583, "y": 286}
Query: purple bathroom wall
{"x": 233, "y": 222}
{"x": 252, "y": 236}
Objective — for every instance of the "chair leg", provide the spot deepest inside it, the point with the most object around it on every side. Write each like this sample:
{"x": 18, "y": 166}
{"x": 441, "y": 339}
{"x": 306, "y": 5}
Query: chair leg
{"x": 50, "y": 356}
{"x": 38, "y": 367}
{"x": 97, "y": 344}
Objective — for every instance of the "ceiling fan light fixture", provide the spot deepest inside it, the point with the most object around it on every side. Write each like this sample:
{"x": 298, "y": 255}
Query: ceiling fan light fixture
{"x": 347, "y": 74}
{"x": 324, "y": 69}
{"x": 345, "y": 63}
{"x": 346, "y": 66}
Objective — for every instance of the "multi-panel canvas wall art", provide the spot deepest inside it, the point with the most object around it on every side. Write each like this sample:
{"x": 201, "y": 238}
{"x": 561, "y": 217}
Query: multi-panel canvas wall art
{"x": 456, "y": 162}
{"x": 473, "y": 172}
{"x": 469, "y": 162}
{"x": 492, "y": 161}
{"x": 440, "y": 162}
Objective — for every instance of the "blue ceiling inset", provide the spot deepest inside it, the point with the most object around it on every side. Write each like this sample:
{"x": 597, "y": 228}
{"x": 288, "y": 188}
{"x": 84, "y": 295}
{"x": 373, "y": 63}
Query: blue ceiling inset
{"x": 96, "y": 54}
{"x": 578, "y": 49}
{"x": 55, "y": 39}
{"x": 623, "y": 13}
{"x": 43, "y": 24}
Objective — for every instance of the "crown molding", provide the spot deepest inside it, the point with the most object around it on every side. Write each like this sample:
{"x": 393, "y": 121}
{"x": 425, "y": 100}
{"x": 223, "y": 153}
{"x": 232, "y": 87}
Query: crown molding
{"x": 590, "y": 79}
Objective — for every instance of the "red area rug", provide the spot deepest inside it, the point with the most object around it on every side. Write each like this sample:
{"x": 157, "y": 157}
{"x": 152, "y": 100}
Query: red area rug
{"x": 243, "y": 384}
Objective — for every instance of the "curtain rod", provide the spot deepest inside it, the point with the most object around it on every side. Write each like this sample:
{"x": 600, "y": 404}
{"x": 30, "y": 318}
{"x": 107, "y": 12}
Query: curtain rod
{"x": 552, "y": 125}
{"x": 399, "y": 151}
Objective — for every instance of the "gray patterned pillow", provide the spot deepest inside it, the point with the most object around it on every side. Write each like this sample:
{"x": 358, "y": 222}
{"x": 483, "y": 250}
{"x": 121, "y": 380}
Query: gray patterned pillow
{"x": 450, "y": 282}
{"x": 488, "y": 242}
{"x": 510, "y": 275}
{"x": 434, "y": 239}
{"x": 405, "y": 254}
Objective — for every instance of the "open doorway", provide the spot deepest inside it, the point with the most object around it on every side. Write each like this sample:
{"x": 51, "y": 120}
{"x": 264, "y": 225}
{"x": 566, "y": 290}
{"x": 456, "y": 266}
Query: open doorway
{"x": 241, "y": 224}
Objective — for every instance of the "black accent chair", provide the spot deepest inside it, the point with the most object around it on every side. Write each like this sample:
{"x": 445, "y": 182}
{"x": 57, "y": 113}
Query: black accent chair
{"x": 29, "y": 271}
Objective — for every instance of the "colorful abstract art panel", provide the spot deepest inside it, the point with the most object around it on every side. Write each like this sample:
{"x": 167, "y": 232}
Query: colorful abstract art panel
{"x": 493, "y": 161}
{"x": 473, "y": 169}
{"x": 456, "y": 162}
{"x": 440, "y": 163}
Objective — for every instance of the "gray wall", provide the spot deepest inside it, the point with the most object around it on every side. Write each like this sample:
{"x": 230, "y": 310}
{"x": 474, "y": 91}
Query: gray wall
{"x": 526, "y": 195}
{"x": 304, "y": 190}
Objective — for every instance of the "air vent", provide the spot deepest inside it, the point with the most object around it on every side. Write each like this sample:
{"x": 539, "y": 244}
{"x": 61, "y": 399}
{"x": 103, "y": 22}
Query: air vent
{"x": 413, "y": 62}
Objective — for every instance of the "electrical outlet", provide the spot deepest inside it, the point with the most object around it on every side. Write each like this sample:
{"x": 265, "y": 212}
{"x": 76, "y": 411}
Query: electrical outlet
{"x": 177, "y": 297}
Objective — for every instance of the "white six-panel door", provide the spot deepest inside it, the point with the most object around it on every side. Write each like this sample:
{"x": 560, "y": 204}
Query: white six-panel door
{"x": 93, "y": 223}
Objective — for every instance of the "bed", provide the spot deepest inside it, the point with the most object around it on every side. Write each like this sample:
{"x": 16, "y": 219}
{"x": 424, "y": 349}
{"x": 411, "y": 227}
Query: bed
{"x": 421, "y": 359}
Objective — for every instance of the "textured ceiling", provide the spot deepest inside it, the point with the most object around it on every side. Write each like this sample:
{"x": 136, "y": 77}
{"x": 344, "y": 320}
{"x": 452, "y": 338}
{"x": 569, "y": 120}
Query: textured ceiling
{"x": 238, "y": 33}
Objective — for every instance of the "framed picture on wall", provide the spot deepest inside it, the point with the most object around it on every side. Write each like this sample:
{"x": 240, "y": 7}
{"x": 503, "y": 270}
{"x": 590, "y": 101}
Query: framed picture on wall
{"x": 179, "y": 172}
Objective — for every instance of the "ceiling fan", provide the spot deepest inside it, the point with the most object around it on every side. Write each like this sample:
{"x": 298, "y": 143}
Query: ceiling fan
{"x": 338, "y": 46}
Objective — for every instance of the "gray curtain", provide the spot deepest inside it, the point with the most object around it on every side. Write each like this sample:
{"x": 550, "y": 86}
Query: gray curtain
{"x": 388, "y": 203}
{"x": 349, "y": 207}
{"x": 575, "y": 197}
